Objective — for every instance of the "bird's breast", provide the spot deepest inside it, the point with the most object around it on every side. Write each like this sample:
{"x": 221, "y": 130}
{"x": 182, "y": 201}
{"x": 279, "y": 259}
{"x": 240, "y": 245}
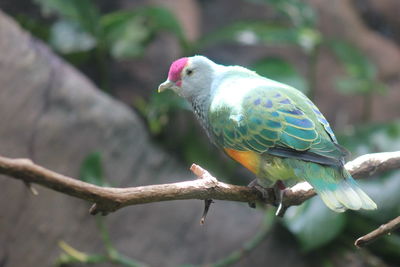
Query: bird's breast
{"x": 249, "y": 159}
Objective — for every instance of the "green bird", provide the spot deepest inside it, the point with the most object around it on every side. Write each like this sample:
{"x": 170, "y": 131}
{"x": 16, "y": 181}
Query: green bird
{"x": 270, "y": 128}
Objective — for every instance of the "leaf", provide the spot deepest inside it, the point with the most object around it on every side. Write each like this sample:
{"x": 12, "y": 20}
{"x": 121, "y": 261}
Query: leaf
{"x": 300, "y": 13}
{"x": 309, "y": 39}
{"x": 372, "y": 138}
{"x": 260, "y": 32}
{"x": 252, "y": 32}
{"x": 67, "y": 37}
{"x": 282, "y": 71}
{"x": 91, "y": 170}
{"x": 352, "y": 85}
{"x": 362, "y": 74}
{"x": 297, "y": 11}
{"x": 355, "y": 63}
{"x": 128, "y": 38}
{"x": 313, "y": 224}
{"x": 303, "y": 19}
{"x": 128, "y": 32}
{"x": 82, "y": 12}
{"x": 36, "y": 27}
{"x": 158, "y": 109}
{"x": 161, "y": 19}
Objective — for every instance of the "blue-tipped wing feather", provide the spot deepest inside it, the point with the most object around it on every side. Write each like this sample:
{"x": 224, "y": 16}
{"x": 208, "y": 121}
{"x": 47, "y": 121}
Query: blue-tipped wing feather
{"x": 269, "y": 121}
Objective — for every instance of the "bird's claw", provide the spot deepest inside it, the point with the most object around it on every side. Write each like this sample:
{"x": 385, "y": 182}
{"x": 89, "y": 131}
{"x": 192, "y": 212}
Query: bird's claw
{"x": 279, "y": 191}
{"x": 255, "y": 186}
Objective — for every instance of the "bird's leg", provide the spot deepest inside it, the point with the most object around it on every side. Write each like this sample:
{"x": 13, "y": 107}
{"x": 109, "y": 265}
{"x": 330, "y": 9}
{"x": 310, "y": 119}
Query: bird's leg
{"x": 279, "y": 190}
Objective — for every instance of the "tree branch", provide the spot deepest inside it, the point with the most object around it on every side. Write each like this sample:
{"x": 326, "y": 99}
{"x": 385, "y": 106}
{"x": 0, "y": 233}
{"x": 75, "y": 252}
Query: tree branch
{"x": 109, "y": 199}
{"x": 382, "y": 230}
{"x": 207, "y": 187}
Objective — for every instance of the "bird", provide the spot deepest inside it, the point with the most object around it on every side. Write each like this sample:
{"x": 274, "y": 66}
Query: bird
{"x": 272, "y": 129}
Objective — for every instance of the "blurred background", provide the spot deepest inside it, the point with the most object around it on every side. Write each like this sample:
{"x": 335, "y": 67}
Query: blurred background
{"x": 78, "y": 83}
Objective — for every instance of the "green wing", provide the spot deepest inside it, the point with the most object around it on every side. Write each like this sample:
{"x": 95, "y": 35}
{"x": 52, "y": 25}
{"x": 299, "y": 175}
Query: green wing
{"x": 280, "y": 121}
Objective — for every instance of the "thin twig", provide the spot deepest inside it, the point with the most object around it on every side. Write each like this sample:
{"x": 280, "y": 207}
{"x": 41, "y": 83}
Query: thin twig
{"x": 207, "y": 204}
{"x": 382, "y": 230}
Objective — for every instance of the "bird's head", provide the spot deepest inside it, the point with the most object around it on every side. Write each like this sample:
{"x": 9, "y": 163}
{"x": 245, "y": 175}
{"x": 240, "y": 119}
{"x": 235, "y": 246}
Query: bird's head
{"x": 189, "y": 76}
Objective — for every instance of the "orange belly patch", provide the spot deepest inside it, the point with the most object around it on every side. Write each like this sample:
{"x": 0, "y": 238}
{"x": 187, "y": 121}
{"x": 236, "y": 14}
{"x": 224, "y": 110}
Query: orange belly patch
{"x": 248, "y": 159}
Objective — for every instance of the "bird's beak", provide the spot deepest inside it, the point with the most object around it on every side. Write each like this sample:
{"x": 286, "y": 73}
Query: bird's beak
{"x": 165, "y": 85}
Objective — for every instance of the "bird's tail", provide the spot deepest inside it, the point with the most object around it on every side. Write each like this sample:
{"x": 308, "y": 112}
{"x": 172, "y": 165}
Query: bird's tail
{"x": 341, "y": 194}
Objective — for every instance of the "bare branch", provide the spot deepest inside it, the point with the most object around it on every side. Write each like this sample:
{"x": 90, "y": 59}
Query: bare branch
{"x": 109, "y": 199}
{"x": 382, "y": 230}
{"x": 370, "y": 164}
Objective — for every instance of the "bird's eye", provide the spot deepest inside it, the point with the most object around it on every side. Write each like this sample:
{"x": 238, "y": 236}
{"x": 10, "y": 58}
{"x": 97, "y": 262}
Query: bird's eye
{"x": 189, "y": 72}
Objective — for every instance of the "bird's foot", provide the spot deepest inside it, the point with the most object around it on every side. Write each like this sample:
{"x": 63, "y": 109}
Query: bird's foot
{"x": 255, "y": 186}
{"x": 279, "y": 190}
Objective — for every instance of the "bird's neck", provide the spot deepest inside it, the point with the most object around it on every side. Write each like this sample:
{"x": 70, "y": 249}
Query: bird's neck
{"x": 201, "y": 105}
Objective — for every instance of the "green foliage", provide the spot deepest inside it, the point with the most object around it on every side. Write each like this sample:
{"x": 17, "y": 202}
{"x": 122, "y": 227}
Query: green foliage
{"x": 121, "y": 34}
{"x": 124, "y": 34}
{"x": 362, "y": 74}
{"x": 35, "y": 27}
{"x": 91, "y": 170}
{"x": 83, "y": 12}
{"x": 127, "y": 33}
{"x": 159, "y": 108}
{"x": 371, "y": 138}
{"x": 200, "y": 152}
{"x": 160, "y": 19}
{"x": 70, "y": 255}
{"x": 282, "y": 71}
{"x": 252, "y": 32}
{"x": 313, "y": 224}
{"x": 261, "y": 32}
{"x": 126, "y": 38}
{"x": 67, "y": 37}
{"x": 298, "y": 12}
{"x": 299, "y": 23}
